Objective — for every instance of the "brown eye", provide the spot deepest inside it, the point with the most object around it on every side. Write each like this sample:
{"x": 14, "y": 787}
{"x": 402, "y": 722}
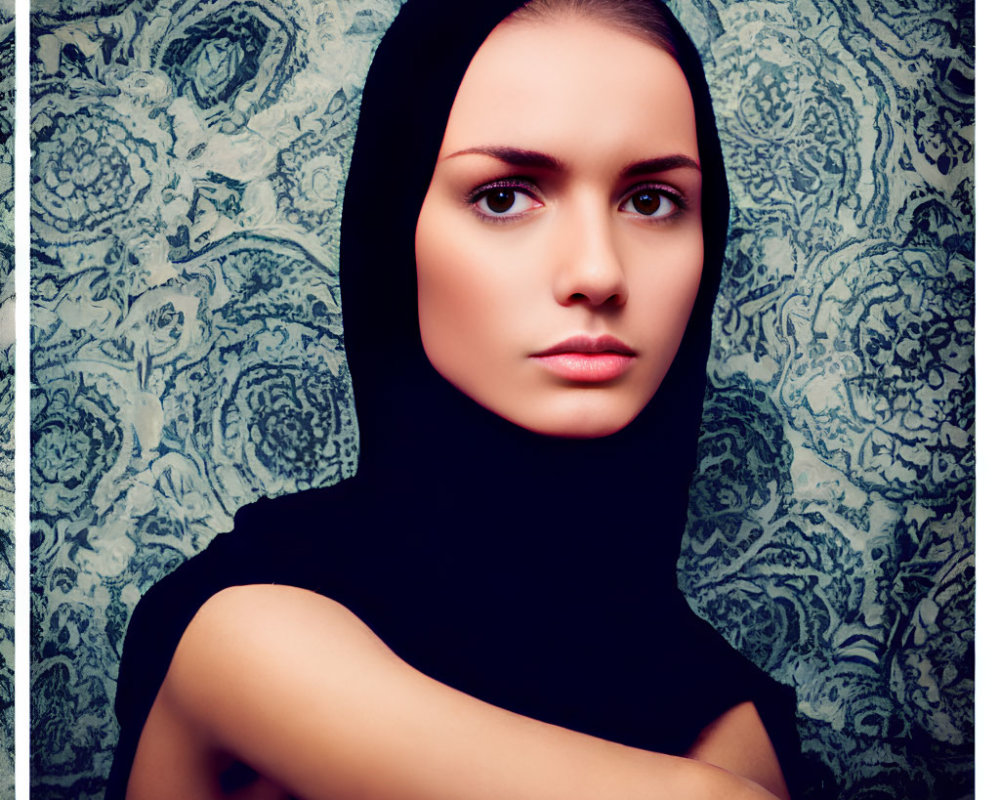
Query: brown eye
{"x": 647, "y": 203}
{"x": 654, "y": 203}
{"x": 504, "y": 202}
{"x": 500, "y": 200}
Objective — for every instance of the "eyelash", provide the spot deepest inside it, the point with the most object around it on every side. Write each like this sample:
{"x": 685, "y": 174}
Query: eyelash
{"x": 522, "y": 186}
{"x": 672, "y": 195}
{"x": 519, "y": 186}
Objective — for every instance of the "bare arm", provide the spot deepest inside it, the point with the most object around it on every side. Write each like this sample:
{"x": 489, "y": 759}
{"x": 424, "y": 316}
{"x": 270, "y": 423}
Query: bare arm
{"x": 738, "y": 741}
{"x": 295, "y": 685}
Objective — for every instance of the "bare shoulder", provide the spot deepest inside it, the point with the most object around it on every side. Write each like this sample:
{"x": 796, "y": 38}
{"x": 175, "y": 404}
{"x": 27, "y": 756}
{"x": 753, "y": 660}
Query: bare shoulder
{"x": 263, "y": 676}
{"x": 225, "y": 695}
{"x": 264, "y": 641}
{"x": 242, "y": 610}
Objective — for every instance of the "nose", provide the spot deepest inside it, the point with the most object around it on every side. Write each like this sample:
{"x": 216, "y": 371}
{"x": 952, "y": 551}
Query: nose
{"x": 591, "y": 271}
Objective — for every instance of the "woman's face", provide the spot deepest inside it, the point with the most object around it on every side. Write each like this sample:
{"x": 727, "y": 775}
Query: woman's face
{"x": 559, "y": 247}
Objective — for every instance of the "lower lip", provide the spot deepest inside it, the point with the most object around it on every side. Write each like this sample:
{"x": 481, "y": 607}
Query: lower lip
{"x": 587, "y": 367}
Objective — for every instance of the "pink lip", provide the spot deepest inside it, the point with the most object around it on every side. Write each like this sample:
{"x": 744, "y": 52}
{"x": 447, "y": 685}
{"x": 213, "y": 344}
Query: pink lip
{"x": 583, "y": 359}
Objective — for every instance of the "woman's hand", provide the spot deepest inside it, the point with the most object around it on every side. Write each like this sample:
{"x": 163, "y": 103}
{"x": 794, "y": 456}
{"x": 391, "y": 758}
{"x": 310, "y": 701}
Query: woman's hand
{"x": 296, "y": 686}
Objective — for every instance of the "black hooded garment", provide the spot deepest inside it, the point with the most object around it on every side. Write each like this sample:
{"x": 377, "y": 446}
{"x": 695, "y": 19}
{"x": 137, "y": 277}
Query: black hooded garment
{"x": 447, "y": 543}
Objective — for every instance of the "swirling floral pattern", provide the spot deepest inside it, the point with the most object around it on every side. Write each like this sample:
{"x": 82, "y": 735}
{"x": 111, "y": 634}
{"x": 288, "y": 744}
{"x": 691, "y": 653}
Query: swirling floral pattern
{"x": 89, "y": 174}
{"x": 311, "y": 172}
{"x": 890, "y": 350}
{"x": 230, "y": 59}
{"x": 6, "y": 399}
{"x": 796, "y": 138}
{"x": 842, "y": 559}
{"x": 75, "y": 443}
{"x": 189, "y": 162}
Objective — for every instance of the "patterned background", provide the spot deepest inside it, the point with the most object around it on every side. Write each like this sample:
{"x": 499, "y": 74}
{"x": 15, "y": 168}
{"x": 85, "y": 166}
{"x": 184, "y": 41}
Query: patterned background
{"x": 189, "y": 160}
{"x": 6, "y": 398}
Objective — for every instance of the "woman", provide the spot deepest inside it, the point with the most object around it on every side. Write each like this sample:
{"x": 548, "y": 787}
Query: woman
{"x": 532, "y": 236}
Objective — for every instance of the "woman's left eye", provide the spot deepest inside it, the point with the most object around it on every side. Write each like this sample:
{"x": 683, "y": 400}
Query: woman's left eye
{"x": 652, "y": 203}
{"x": 503, "y": 201}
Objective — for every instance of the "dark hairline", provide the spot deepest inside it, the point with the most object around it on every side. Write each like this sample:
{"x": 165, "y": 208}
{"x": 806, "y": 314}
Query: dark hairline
{"x": 639, "y": 18}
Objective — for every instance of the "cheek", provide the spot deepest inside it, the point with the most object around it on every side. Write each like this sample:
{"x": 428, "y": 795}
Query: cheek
{"x": 664, "y": 295}
{"x": 686, "y": 279}
{"x": 455, "y": 291}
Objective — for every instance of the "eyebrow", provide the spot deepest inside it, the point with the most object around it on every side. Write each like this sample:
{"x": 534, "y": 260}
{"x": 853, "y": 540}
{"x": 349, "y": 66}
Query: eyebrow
{"x": 517, "y": 157}
{"x": 661, "y": 164}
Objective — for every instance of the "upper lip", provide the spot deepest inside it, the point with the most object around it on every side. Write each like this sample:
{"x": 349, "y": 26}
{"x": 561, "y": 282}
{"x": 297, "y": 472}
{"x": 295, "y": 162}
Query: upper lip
{"x": 589, "y": 344}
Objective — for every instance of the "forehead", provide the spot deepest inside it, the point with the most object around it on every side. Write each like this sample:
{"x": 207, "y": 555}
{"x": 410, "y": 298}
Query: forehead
{"x": 555, "y": 82}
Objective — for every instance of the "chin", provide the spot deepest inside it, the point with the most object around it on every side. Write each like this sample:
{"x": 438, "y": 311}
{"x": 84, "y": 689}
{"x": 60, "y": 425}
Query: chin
{"x": 578, "y": 425}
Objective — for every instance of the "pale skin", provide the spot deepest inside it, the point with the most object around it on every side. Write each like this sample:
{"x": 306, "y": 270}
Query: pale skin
{"x": 366, "y": 725}
{"x": 292, "y": 684}
{"x": 553, "y": 113}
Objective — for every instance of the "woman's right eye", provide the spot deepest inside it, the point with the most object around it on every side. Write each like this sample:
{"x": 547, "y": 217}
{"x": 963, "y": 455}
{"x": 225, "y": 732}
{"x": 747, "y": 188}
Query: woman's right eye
{"x": 503, "y": 201}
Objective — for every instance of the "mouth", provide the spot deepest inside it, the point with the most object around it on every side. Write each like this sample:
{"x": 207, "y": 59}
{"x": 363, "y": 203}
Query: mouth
{"x": 585, "y": 359}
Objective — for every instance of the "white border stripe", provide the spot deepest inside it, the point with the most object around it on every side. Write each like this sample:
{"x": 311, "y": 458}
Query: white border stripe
{"x": 987, "y": 408}
{"x": 22, "y": 440}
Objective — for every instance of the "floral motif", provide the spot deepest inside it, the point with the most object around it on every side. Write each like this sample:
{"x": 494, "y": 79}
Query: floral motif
{"x": 932, "y": 669}
{"x": 75, "y": 438}
{"x": 70, "y": 722}
{"x": 280, "y": 418}
{"x": 296, "y": 415}
{"x": 312, "y": 171}
{"x": 793, "y": 140}
{"x": 162, "y": 326}
{"x": 89, "y": 172}
{"x": 231, "y": 58}
{"x": 939, "y": 139}
{"x": 760, "y": 270}
{"x": 937, "y": 87}
{"x": 743, "y": 454}
{"x": 880, "y": 380}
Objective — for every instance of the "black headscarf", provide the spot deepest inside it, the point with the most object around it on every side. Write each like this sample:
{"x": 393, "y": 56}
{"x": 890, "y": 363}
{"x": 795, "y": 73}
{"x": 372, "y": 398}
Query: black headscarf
{"x": 533, "y": 572}
{"x": 416, "y": 429}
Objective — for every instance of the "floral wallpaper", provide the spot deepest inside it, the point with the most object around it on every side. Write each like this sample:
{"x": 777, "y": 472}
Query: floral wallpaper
{"x": 6, "y": 398}
{"x": 831, "y": 529}
{"x": 189, "y": 159}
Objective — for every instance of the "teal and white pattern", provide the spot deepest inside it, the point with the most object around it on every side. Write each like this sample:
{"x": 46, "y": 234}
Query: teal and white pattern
{"x": 6, "y": 399}
{"x": 189, "y": 162}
